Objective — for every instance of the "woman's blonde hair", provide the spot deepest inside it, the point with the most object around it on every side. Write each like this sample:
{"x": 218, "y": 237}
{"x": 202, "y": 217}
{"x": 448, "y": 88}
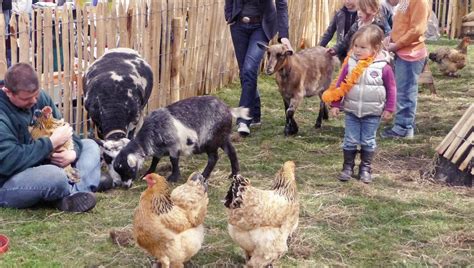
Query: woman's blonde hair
{"x": 373, "y": 5}
{"x": 372, "y": 34}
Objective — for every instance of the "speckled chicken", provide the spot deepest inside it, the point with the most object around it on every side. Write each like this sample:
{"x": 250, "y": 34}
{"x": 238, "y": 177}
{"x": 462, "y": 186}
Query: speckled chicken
{"x": 167, "y": 225}
{"x": 44, "y": 126}
{"x": 450, "y": 60}
{"x": 260, "y": 221}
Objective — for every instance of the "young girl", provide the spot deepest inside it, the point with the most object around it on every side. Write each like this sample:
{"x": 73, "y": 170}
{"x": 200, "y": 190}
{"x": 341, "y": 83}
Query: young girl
{"x": 368, "y": 12}
{"x": 366, "y": 90}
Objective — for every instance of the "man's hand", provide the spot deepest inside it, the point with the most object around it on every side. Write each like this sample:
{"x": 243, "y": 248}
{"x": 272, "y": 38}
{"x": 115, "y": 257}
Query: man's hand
{"x": 334, "y": 112}
{"x": 287, "y": 43}
{"x": 63, "y": 158}
{"x": 387, "y": 116}
{"x": 392, "y": 47}
{"x": 60, "y": 136}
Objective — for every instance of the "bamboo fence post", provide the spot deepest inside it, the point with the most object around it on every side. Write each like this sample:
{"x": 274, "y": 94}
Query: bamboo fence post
{"x": 3, "y": 50}
{"x": 40, "y": 27}
{"x": 178, "y": 26}
{"x": 92, "y": 36}
{"x": 101, "y": 32}
{"x": 123, "y": 29}
{"x": 57, "y": 25}
{"x": 46, "y": 62}
{"x": 80, "y": 119}
{"x": 155, "y": 53}
{"x": 13, "y": 39}
{"x": 24, "y": 36}
{"x": 66, "y": 96}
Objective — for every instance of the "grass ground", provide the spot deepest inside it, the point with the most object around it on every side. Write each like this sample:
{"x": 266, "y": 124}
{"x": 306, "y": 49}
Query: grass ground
{"x": 399, "y": 220}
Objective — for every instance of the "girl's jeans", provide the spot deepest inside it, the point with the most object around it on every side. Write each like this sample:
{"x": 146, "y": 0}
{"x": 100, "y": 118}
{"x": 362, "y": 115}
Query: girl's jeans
{"x": 360, "y": 131}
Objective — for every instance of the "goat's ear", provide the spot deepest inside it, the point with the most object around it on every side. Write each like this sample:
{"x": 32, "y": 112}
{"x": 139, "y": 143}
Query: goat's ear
{"x": 289, "y": 52}
{"x": 132, "y": 160}
{"x": 262, "y": 45}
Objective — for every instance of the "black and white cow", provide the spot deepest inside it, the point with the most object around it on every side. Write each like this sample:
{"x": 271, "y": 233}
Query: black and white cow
{"x": 191, "y": 126}
{"x": 117, "y": 87}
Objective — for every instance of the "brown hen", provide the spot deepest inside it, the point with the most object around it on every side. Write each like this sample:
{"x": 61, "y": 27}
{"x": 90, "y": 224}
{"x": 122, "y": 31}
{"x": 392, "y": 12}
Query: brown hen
{"x": 167, "y": 225}
{"x": 260, "y": 221}
{"x": 450, "y": 60}
{"x": 44, "y": 127}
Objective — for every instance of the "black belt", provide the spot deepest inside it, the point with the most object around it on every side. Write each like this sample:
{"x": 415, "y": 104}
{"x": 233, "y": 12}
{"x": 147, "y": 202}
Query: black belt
{"x": 248, "y": 19}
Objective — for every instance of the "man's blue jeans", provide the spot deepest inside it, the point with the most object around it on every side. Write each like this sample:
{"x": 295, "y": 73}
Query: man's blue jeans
{"x": 360, "y": 131}
{"x": 406, "y": 76}
{"x": 245, "y": 38}
{"x": 50, "y": 183}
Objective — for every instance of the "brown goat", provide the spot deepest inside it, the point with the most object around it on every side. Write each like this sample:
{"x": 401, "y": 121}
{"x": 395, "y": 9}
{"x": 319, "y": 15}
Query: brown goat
{"x": 299, "y": 75}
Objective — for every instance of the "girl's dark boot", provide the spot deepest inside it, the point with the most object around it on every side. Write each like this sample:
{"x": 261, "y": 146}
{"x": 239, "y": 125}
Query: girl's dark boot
{"x": 348, "y": 165}
{"x": 365, "y": 170}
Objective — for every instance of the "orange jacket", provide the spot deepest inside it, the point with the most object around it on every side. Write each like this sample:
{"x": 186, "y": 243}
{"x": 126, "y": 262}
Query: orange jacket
{"x": 410, "y": 24}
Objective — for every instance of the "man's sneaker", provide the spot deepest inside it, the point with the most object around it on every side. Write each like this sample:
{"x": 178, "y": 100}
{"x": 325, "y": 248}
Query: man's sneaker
{"x": 77, "y": 202}
{"x": 255, "y": 122}
{"x": 388, "y": 133}
{"x": 243, "y": 129}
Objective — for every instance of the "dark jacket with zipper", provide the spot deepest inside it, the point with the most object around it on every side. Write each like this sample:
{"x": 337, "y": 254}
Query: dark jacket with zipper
{"x": 274, "y": 15}
{"x": 340, "y": 24}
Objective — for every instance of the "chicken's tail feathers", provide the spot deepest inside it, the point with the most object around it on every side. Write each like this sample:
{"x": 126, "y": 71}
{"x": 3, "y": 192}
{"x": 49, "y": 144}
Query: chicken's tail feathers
{"x": 233, "y": 198}
{"x": 240, "y": 112}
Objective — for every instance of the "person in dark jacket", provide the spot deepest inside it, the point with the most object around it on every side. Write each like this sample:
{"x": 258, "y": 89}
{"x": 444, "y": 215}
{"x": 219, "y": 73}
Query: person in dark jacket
{"x": 251, "y": 22}
{"x": 31, "y": 170}
{"x": 340, "y": 24}
{"x": 368, "y": 12}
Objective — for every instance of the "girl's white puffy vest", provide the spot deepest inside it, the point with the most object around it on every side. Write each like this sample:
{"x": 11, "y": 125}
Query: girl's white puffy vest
{"x": 368, "y": 96}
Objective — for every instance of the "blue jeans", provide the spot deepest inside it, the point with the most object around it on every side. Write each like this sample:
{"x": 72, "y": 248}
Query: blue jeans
{"x": 249, "y": 56}
{"x": 406, "y": 76}
{"x": 360, "y": 131}
{"x": 50, "y": 183}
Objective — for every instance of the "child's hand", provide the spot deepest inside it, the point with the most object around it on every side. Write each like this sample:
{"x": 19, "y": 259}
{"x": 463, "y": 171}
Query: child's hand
{"x": 331, "y": 51}
{"x": 334, "y": 111}
{"x": 387, "y": 116}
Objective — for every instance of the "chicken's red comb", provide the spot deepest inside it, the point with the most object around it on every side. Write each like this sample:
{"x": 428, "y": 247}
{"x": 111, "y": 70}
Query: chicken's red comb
{"x": 47, "y": 110}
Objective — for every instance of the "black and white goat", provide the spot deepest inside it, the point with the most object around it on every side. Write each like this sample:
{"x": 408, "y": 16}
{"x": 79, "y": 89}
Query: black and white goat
{"x": 192, "y": 126}
{"x": 117, "y": 87}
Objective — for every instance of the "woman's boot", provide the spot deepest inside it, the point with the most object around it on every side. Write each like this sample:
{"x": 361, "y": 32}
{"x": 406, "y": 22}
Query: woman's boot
{"x": 348, "y": 165}
{"x": 365, "y": 170}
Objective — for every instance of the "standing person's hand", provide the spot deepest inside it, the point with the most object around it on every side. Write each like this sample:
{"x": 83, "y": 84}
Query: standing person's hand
{"x": 331, "y": 51}
{"x": 287, "y": 43}
{"x": 334, "y": 112}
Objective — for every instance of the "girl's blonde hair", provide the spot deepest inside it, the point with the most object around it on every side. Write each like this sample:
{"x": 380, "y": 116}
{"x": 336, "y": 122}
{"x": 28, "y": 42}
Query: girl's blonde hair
{"x": 372, "y": 34}
{"x": 373, "y": 5}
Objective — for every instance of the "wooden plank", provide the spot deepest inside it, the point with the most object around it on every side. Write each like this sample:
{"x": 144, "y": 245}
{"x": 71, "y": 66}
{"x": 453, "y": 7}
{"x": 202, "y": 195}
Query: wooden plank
{"x": 66, "y": 95}
{"x": 462, "y": 149}
{"x": 3, "y": 60}
{"x": 467, "y": 161}
{"x": 58, "y": 26}
{"x": 46, "y": 49}
{"x": 14, "y": 40}
{"x": 155, "y": 18}
{"x": 39, "y": 46}
{"x": 79, "y": 67}
{"x": 459, "y": 136}
{"x": 122, "y": 17}
{"x": 451, "y": 135}
{"x": 178, "y": 29}
{"x": 100, "y": 29}
{"x": 24, "y": 36}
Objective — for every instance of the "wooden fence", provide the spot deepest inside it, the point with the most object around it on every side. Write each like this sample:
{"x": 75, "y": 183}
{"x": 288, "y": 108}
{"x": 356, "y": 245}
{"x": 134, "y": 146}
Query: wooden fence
{"x": 450, "y": 13}
{"x": 187, "y": 43}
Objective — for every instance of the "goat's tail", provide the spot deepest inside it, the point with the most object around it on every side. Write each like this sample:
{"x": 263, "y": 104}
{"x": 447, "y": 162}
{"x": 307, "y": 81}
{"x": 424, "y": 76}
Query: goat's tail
{"x": 240, "y": 112}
